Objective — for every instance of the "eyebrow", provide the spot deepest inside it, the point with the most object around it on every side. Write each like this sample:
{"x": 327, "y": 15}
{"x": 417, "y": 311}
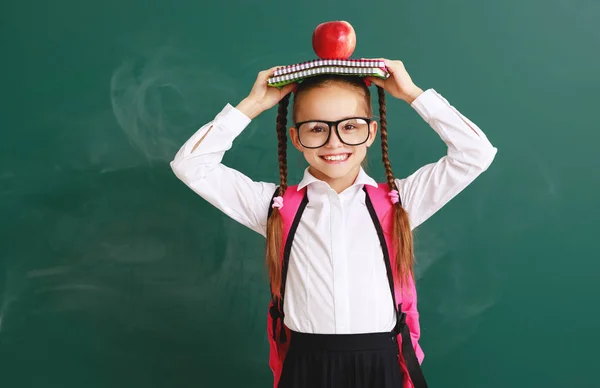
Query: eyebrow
{"x": 333, "y": 121}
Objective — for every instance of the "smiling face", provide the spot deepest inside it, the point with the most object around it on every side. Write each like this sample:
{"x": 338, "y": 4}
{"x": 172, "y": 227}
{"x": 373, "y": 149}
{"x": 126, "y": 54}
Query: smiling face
{"x": 336, "y": 163}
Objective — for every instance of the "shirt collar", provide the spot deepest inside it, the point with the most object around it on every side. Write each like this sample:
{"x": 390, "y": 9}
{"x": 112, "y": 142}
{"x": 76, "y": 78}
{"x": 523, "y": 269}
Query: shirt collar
{"x": 361, "y": 179}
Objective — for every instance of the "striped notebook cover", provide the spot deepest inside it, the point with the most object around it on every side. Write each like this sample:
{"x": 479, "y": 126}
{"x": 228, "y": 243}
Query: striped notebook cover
{"x": 342, "y": 70}
{"x": 329, "y": 62}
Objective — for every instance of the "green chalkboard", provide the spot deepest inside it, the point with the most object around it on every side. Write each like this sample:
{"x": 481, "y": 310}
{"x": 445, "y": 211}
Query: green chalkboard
{"x": 114, "y": 274}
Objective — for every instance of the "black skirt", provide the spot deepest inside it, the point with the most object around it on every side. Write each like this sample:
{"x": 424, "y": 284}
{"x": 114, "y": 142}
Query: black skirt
{"x": 346, "y": 360}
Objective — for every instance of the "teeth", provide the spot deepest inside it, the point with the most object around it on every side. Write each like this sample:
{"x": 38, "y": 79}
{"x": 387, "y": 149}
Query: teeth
{"x": 336, "y": 157}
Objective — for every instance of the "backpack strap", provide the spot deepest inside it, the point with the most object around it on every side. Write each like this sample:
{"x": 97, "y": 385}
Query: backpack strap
{"x": 380, "y": 209}
{"x": 408, "y": 351}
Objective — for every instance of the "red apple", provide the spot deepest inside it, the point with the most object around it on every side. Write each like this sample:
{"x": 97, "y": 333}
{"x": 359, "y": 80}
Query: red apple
{"x": 334, "y": 40}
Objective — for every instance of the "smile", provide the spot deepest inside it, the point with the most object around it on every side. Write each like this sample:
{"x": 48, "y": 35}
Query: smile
{"x": 336, "y": 158}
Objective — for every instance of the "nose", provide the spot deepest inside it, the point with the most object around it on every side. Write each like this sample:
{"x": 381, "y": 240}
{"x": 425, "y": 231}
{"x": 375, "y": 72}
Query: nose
{"x": 334, "y": 141}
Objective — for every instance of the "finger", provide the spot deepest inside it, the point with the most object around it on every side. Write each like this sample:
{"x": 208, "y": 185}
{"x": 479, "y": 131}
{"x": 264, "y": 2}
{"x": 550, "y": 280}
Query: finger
{"x": 376, "y": 80}
{"x": 385, "y": 60}
{"x": 289, "y": 88}
{"x": 393, "y": 66}
{"x": 269, "y": 72}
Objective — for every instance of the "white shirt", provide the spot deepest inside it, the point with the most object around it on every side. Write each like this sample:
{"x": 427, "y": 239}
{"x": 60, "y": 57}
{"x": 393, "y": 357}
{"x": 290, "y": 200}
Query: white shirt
{"x": 337, "y": 281}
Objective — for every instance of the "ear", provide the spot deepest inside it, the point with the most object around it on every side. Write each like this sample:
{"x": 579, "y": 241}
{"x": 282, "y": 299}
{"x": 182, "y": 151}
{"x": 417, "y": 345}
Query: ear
{"x": 372, "y": 133}
{"x": 295, "y": 139}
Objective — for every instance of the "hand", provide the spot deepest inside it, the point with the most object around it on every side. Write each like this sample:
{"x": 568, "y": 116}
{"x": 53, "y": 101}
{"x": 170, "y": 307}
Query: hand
{"x": 398, "y": 84}
{"x": 262, "y": 96}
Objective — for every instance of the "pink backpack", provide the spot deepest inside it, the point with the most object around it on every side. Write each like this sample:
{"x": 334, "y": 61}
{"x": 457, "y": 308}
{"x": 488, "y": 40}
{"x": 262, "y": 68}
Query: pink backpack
{"x": 405, "y": 299}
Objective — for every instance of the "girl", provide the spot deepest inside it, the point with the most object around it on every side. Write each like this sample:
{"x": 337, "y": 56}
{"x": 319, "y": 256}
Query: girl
{"x": 339, "y": 246}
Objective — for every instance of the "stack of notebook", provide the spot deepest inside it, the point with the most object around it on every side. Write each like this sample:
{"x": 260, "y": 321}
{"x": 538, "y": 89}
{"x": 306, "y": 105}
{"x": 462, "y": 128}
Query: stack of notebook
{"x": 299, "y": 71}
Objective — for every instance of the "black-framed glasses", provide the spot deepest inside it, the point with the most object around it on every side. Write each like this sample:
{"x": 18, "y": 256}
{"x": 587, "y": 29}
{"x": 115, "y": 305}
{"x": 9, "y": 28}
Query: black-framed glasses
{"x": 351, "y": 131}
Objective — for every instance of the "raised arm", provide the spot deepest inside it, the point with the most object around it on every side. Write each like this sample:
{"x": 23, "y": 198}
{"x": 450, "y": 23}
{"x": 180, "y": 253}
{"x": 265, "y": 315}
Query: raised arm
{"x": 469, "y": 152}
{"x": 198, "y": 162}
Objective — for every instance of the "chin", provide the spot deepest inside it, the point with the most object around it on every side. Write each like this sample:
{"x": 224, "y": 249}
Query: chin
{"x": 336, "y": 171}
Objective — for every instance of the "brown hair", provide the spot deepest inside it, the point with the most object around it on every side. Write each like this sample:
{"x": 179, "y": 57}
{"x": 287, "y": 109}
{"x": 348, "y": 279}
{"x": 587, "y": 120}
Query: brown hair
{"x": 401, "y": 226}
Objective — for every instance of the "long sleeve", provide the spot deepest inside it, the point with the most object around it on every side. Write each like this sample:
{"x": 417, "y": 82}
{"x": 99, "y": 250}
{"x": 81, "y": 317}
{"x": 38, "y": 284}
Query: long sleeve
{"x": 469, "y": 154}
{"x": 198, "y": 165}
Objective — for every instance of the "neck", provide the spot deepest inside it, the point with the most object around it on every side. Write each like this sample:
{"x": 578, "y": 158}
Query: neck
{"x": 337, "y": 184}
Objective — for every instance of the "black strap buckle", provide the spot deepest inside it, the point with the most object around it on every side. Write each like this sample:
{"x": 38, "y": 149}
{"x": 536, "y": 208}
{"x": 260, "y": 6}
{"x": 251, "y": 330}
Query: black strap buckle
{"x": 400, "y": 320}
{"x": 277, "y": 314}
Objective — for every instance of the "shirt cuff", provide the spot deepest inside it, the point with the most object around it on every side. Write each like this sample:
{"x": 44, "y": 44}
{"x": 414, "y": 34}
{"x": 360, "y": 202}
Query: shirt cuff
{"x": 229, "y": 122}
{"x": 428, "y": 103}
{"x": 232, "y": 119}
